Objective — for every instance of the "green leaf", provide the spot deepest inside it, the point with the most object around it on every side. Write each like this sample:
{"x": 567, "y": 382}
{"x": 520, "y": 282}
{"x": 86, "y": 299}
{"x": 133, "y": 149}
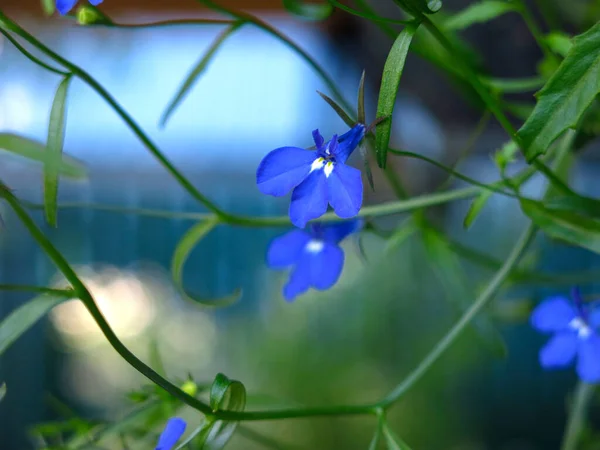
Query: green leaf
{"x": 2, "y": 391}
{"x": 476, "y": 208}
{"x": 559, "y": 42}
{"x": 198, "y": 70}
{"x": 480, "y": 12}
{"x": 392, "y": 441}
{"x": 35, "y": 151}
{"x": 575, "y": 203}
{"x": 390, "y": 82}
{"x": 339, "y": 110}
{"x": 48, "y": 6}
{"x": 506, "y": 155}
{"x": 362, "y": 117}
{"x": 374, "y": 444}
{"x": 419, "y": 7}
{"x": 56, "y": 139}
{"x": 563, "y": 224}
{"x": 180, "y": 256}
{"x": 24, "y": 317}
{"x": 310, "y": 11}
{"x": 566, "y": 96}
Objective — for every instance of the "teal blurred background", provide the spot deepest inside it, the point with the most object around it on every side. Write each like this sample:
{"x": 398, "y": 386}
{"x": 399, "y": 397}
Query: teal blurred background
{"x": 351, "y": 344}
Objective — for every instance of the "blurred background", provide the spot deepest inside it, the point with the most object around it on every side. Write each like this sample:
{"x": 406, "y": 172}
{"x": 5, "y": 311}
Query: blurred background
{"x": 350, "y": 344}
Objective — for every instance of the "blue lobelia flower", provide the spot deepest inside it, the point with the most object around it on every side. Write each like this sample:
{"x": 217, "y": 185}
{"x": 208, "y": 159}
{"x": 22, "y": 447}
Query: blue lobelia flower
{"x": 171, "y": 434}
{"x": 64, "y": 6}
{"x": 574, "y": 326}
{"x": 318, "y": 178}
{"x": 314, "y": 252}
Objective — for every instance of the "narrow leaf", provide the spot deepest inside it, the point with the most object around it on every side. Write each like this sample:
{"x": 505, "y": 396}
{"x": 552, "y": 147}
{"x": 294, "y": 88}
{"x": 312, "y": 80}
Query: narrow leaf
{"x": 390, "y": 82}
{"x": 24, "y": 317}
{"x": 476, "y": 208}
{"x": 309, "y": 11}
{"x": 565, "y": 225}
{"x": 338, "y": 109}
{"x": 374, "y": 444}
{"x": 180, "y": 256}
{"x": 56, "y": 139}
{"x": 35, "y": 151}
{"x": 480, "y": 12}
{"x": 566, "y": 96}
{"x": 392, "y": 441}
{"x": 361, "y": 100}
{"x": 419, "y": 7}
{"x": 583, "y": 205}
{"x": 197, "y": 71}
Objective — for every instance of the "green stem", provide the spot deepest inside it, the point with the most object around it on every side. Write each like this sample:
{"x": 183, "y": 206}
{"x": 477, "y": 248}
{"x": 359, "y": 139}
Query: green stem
{"x": 66, "y": 293}
{"x": 583, "y": 395}
{"x": 10, "y": 25}
{"x": 30, "y": 56}
{"x": 166, "y": 23}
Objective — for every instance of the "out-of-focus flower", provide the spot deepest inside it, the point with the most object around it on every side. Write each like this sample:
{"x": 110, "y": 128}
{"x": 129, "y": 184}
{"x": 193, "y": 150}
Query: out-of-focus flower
{"x": 64, "y": 6}
{"x": 574, "y": 326}
{"x": 319, "y": 178}
{"x": 315, "y": 254}
{"x": 171, "y": 434}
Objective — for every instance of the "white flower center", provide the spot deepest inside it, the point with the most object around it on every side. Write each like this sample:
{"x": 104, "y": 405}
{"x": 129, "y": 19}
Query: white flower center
{"x": 582, "y": 328}
{"x": 320, "y": 163}
{"x": 314, "y": 246}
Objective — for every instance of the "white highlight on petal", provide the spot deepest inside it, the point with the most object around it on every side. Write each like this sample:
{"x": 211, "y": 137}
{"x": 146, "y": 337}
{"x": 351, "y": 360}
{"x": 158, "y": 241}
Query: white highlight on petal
{"x": 317, "y": 164}
{"x": 314, "y": 246}
{"x": 328, "y": 169}
{"x": 582, "y": 328}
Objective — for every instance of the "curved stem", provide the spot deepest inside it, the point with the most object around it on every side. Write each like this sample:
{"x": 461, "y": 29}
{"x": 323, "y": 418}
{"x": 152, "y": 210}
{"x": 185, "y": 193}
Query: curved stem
{"x": 30, "y": 56}
{"x": 583, "y": 395}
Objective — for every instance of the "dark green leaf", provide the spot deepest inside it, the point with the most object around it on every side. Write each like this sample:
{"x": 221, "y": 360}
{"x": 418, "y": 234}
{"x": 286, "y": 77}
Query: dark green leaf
{"x": 310, "y": 11}
{"x": 24, "y": 317}
{"x": 564, "y": 224}
{"x": 476, "y": 207}
{"x": 361, "y": 100}
{"x": 197, "y": 71}
{"x": 508, "y": 85}
{"x": 582, "y": 205}
{"x": 390, "y": 82}
{"x": 2, "y": 391}
{"x": 30, "y": 149}
{"x": 419, "y": 7}
{"x": 338, "y": 109}
{"x": 180, "y": 256}
{"x": 392, "y": 441}
{"x": 566, "y": 96}
{"x": 56, "y": 139}
{"x": 559, "y": 42}
{"x": 478, "y": 13}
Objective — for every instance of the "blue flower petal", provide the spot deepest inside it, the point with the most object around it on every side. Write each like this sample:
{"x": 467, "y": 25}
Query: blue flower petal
{"x": 64, "y": 6}
{"x": 337, "y": 232}
{"x": 588, "y": 364}
{"x": 283, "y": 169}
{"x": 345, "y": 190}
{"x": 560, "y": 350}
{"x": 594, "y": 315}
{"x": 349, "y": 141}
{"x": 309, "y": 199}
{"x": 326, "y": 266}
{"x": 553, "y": 314}
{"x": 298, "y": 283}
{"x": 319, "y": 141}
{"x": 95, "y": 2}
{"x": 173, "y": 431}
{"x": 287, "y": 249}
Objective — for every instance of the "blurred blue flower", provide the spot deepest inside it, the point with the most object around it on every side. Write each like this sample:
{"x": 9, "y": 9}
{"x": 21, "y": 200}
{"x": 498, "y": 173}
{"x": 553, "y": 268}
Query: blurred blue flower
{"x": 574, "y": 327}
{"x": 318, "y": 178}
{"x": 64, "y": 6}
{"x": 173, "y": 431}
{"x": 315, "y": 253}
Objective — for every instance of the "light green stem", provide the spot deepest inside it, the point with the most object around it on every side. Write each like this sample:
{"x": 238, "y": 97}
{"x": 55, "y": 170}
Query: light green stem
{"x": 581, "y": 401}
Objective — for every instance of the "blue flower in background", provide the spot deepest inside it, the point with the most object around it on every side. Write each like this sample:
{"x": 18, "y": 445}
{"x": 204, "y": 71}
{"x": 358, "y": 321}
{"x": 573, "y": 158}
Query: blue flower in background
{"x": 315, "y": 254}
{"x": 574, "y": 326}
{"x": 171, "y": 434}
{"x": 318, "y": 178}
{"x": 64, "y": 6}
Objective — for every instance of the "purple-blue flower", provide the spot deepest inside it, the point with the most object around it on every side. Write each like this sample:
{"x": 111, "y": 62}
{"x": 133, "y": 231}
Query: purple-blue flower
{"x": 64, "y": 6}
{"x": 171, "y": 434}
{"x": 315, "y": 254}
{"x": 574, "y": 327}
{"x": 318, "y": 178}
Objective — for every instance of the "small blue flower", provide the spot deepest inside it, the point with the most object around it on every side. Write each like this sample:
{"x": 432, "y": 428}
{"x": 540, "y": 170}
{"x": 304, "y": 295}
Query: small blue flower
{"x": 318, "y": 178}
{"x": 64, "y": 6}
{"x": 574, "y": 327}
{"x": 173, "y": 431}
{"x": 314, "y": 252}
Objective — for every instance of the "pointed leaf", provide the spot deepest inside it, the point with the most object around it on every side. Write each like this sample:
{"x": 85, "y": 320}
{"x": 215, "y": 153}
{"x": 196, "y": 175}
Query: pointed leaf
{"x": 361, "y": 100}
{"x": 197, "y": 71}
{"x": 390, "y": 82}
{"x": 30, "y": 149}
{"x": 480, "y": 12}
{"x": 338, "y": 109}
{"x": 476, "y": 207}
{"x": 310, "y": 11}
{"x": 180, "y": 256}
{"x": 566, "y": 96}
{"x": 56, "y": 139}
{"x": 564, "y": 224}
{"x": 24, "y": 317}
